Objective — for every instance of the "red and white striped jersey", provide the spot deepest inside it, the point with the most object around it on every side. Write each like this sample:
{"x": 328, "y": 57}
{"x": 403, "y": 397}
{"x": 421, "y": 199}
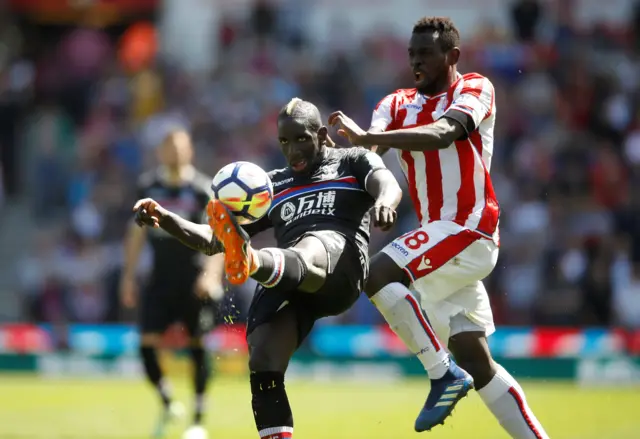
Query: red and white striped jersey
{"x": 453, "y": 183}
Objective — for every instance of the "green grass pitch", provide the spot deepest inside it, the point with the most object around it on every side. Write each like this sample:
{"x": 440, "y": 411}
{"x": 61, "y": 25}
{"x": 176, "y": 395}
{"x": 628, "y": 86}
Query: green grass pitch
{"x": 35, "y": 408}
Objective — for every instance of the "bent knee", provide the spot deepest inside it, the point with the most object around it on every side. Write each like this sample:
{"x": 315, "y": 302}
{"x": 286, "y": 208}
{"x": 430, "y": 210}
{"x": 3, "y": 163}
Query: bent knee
{"x": 265, "y": 355}
{"x": 382, "y": 272}
{"x": 315, "y": 270}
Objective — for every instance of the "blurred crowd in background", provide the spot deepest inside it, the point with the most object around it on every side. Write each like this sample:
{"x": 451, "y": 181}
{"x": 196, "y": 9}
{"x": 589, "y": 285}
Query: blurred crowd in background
{"x": 77, "y": 126}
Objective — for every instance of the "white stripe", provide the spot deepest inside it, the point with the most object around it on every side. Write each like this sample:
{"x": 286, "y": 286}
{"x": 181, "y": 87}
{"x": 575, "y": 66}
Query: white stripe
{"x": 382, "y": 117}
{"x": 444, "y": 403}
{"x": 278, "y": 264}
{"x": 451, "y": 180}
{"x": 275, "y": 430}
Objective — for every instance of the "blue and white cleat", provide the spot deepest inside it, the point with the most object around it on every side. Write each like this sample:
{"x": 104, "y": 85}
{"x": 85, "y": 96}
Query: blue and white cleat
{"x": 445, "y": 393}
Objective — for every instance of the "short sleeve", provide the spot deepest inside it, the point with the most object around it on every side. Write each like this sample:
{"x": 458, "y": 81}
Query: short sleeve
{"x": 364, "y": 163}
{"x": 383, "y": 114}
{"x": 475, "y": 100}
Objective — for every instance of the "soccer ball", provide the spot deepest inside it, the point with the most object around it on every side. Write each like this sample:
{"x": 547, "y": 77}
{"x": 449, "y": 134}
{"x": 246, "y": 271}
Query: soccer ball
{"x": 245, "y": 189}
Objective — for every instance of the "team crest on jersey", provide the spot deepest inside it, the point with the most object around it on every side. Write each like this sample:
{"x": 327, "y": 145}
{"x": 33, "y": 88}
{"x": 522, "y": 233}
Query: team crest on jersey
{"x": 288, "y": 211}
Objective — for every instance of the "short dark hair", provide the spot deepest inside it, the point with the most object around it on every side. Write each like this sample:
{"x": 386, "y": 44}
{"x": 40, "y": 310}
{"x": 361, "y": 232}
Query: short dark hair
{"x": 302, "y": 111}
{"x": 449, "y": 36}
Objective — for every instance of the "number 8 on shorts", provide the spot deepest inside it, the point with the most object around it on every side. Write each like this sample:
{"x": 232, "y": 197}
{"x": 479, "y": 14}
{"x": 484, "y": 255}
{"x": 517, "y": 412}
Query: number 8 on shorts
{"x": 442, "y": 257}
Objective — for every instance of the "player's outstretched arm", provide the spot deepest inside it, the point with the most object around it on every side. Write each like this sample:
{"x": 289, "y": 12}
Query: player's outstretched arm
{"x": 196, "y": 236}
{"x": 384, "y": 188}
{"x": 438, "y": 135}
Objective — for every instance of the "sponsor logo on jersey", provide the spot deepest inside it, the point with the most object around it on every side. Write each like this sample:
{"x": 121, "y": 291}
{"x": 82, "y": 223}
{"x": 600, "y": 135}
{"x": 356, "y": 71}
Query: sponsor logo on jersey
{"x": 411, "y": 106}
{"x": 400, "y": 248}
{"x": 281, "y": 182}
{"x": 319, "y": 203}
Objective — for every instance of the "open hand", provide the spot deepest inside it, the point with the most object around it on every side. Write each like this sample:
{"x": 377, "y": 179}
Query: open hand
{"x": 148, "y": 212}
{"x": 348, "y": 128}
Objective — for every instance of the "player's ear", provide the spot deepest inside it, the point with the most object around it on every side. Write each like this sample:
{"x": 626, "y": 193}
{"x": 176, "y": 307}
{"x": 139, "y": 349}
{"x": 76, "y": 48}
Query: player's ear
{"x": 453, "y": 56}
{"x": 323, "y": 133}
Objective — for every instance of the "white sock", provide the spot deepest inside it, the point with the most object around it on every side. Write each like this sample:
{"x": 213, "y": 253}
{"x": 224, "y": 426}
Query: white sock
{"x": 276, "y": 433}
{"x": 505, "y": 398}
{"x": 405, "y": 317}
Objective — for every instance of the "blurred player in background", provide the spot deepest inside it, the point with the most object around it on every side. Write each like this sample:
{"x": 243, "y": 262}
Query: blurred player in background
{"x": 443, "y": 131}
{"x": 183, "y": 283}
{"x": 321, "y": 221}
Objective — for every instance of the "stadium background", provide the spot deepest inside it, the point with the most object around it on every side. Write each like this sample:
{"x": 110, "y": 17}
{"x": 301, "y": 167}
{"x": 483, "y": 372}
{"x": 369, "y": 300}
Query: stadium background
{"x": 88, "y": 88}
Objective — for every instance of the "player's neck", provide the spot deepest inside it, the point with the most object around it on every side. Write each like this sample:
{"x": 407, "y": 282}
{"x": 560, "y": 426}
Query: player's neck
{"x": 443, "y": 87}
{"x": 451, "y": 78}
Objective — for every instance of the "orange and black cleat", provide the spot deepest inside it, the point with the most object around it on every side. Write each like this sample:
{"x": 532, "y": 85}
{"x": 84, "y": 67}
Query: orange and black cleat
{"x": 239, "y": 257}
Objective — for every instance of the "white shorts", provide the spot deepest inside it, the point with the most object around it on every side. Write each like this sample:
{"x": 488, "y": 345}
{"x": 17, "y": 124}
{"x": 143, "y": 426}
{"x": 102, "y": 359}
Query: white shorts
{"x": 446, "y": 264}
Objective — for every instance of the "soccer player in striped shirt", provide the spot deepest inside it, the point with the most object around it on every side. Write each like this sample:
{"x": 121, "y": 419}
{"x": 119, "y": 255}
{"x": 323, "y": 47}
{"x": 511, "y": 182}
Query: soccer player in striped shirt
{"x": 442, "y": 130}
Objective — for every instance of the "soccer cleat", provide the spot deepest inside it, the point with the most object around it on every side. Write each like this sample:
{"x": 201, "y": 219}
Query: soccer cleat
{"x": 239, "y": 259}
{"x": 195, "y": 432}
{"x": 173, "y": 412}
{"x": 445, "y": 393}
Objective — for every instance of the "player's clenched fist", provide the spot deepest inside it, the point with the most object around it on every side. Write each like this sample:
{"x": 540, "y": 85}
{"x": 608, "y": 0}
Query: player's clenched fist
{"x": 149, "y": 212}
{"x": 384, "y": 217}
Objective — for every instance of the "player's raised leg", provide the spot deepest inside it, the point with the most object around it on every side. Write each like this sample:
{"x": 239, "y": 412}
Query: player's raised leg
{"x": 500, "y": 392}
{"x": 449, "y": 383}
{"x": 287, "y": 269}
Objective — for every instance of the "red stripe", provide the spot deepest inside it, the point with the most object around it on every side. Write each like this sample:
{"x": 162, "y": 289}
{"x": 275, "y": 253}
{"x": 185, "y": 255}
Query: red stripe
{"x": 520, "y": 402}
{"x": 474, "y": 91}
{"x": 278, "y": 436}
{"x": 467, "y": 191}
{"x": 411, "y": 165}
{"x": 297, "y": 188}
{"x": 491, "y": 210}
{"x": 476, "y": 141}
{"x": 434, "y": 184}
{"x": 394, "y": 112}
{"x": 411, "y": 183}
{"x": 423, "y": 321}
{"x": 441, "y": 253}
{"x": 279, "y": 269}
{"x": 433, "y": 170}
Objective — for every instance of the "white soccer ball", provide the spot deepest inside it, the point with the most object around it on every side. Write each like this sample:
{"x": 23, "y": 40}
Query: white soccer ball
{"x": 246, "y": 190}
